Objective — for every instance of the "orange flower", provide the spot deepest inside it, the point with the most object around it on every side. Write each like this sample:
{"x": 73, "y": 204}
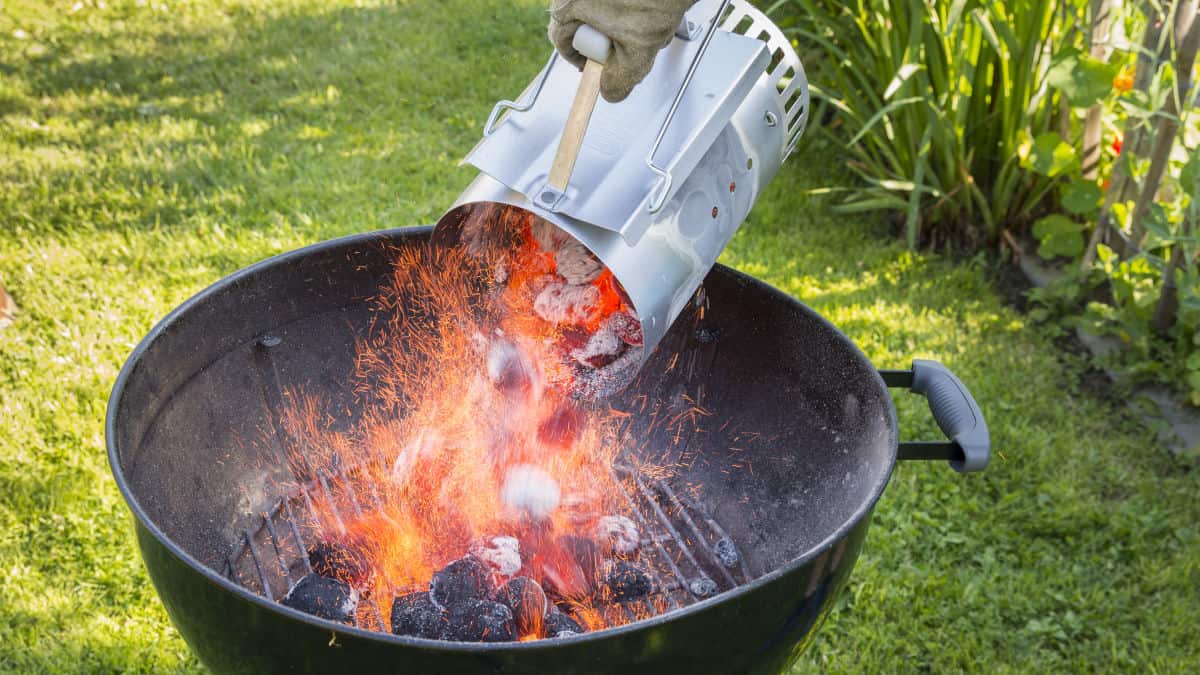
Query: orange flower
{"x": 1106, "y": 184}
{"x": 1123, "y": 82}
{"x": 1118, "y": 142}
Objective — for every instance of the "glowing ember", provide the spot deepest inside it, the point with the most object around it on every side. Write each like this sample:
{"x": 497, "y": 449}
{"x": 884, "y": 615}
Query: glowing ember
{"x": 496, "y": 514}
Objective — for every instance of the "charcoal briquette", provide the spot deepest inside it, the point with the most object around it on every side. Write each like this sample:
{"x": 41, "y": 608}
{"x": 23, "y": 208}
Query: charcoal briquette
{"x": 702, "y": 587}
{"x": 415, "y": 615}
{"x": 463, "y": 580}
{"x": 323, "y": 597}
{"x": 526, "y": 600}
{"x": 559, "y": 624}
{"x": 626, "y": 580}
{"x": 479, "y": 621}
{"x": 727, "y": 553}
{"x": 337, "y": 560}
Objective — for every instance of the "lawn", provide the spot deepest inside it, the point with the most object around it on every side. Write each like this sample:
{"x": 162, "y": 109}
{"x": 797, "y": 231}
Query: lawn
{"x": 150, "y": 147}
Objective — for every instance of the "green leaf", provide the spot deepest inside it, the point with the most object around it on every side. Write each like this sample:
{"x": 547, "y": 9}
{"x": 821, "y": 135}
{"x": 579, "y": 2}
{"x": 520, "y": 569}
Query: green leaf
{"x": 1059, "y": 236}
{"x": 1084, "y": 80}
{"x": 1051, "y": 156}
{"x": 1193, "y": 361}
{"x": 1193, "y": 379}
{"x": 1104, "y": 253}
{"x": 906, "y": 71}
{"x": 1189, "y": 176}
{"x": 1081, "y": 197}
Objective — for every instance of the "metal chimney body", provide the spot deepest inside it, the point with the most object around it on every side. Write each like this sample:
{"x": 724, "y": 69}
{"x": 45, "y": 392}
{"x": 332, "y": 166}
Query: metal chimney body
{"x": 662, "y": 183}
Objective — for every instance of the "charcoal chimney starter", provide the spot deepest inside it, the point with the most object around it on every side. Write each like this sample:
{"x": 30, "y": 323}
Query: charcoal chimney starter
{"x": 667, "y": 176}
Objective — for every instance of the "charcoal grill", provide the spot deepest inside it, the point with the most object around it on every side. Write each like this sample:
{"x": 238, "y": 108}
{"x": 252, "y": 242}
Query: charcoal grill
{"x": 807, "y": 442}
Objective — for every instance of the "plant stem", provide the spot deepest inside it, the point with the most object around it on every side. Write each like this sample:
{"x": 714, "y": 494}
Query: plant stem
{"x": 1148, "y": 60}
{"x": 1187, "y": 36}
{"x": 1102, "y": 11}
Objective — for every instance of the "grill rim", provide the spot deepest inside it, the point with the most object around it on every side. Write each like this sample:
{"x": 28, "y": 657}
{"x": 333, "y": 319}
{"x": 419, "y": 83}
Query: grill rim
{"x": 113, "y": 409}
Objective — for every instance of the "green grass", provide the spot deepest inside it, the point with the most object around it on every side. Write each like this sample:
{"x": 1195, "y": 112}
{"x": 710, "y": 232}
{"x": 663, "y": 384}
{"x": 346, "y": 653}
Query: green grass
{"x": 146, "y": 151}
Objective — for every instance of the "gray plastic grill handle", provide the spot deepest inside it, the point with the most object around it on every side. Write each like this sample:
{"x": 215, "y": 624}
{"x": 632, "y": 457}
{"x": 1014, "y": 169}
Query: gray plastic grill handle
{"x": 955, "y": 411}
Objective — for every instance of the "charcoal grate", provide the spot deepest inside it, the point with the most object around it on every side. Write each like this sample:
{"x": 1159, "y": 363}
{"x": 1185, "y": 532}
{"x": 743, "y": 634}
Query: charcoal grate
{"x": 687, "y": 554}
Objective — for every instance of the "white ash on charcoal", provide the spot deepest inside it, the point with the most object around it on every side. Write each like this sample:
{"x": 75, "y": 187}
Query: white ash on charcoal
{"x": 479, "y": 621}
{"x": 602, "y": 348}
{"x": 323, "y": 597}
{"x": 562, "y": 303}
{"x": 463, "y": 580}
{"x": 702, "y": 587}
{"x": 502, "y": 555}
{"x": 617, "y": 535}
{"x": 415, "y": 615}
{"x": 626, "y": 581}
{"x": 576, "y": 264}
{"x": 530, "y": 491}
{"x": 559, "y": 625}
{"x": 548, "y": 236}
{"x": 727, "y": 553}
{"x": 338, "y": 560}
{"x": 627, "y": 327}
{"x": 509, "y": 369}
{"x": 527, "y": 601}
{"x": 599, "y": 383}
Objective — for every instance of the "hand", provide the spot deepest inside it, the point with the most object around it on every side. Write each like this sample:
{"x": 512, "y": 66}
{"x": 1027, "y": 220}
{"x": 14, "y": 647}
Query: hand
{"x": 638, "y": 30}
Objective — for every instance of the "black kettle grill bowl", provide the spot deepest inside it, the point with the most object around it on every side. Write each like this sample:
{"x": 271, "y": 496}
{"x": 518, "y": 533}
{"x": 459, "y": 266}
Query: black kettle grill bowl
{"x": 797, "y": 504}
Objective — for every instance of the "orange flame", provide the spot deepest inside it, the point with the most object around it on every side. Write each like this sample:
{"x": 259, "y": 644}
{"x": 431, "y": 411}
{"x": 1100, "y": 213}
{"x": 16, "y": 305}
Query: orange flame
{"x": 460, "y": 381}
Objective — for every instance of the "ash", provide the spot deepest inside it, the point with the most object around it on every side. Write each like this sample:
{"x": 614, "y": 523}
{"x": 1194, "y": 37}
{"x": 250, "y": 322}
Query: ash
{"x": 727, "y": 553}
{"x": 501, "y": 554}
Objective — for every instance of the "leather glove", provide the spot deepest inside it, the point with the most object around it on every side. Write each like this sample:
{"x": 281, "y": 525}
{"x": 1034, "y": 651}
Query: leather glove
{"x": 638, "y": 30}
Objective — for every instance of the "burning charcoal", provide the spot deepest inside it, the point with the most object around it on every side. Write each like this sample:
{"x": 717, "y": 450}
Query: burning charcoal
{"x": 501, "y": 554}
{"x": 627, "y": 327}
{"x": 479, "y": 621}
{"x": 525, "y": 598}
{"x": 601, "y": 349}
{"x": 462, "y": 580}
{"x": 509, "y": 369}
{"x": 559, "y": 624}
{"x": 323, "y": 597}
{"x": 336, "y": 560}
{"x": 563, "y": 303}
{"x": 548, "y": 236}
{"x": 727, "y": 552}
{"x": 618, "y": 534}
{"x": 415, "y": 615}
{"x": 603, "y": 382}
{"x": 585, "y": 552}
{"x": 530, "y": 490}
{"x": 576, "y": 263}
{"x": 702, "y": 587}
{"x": 562, "y": 427}
{"x": 626, "y": 581}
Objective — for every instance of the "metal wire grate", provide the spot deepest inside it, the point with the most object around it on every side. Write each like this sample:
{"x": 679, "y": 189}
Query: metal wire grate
{"x": 686, "y": 553}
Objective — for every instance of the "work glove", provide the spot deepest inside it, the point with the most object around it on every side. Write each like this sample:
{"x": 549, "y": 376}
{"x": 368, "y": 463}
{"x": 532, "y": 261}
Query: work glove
{"x": 638, "y": 30}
